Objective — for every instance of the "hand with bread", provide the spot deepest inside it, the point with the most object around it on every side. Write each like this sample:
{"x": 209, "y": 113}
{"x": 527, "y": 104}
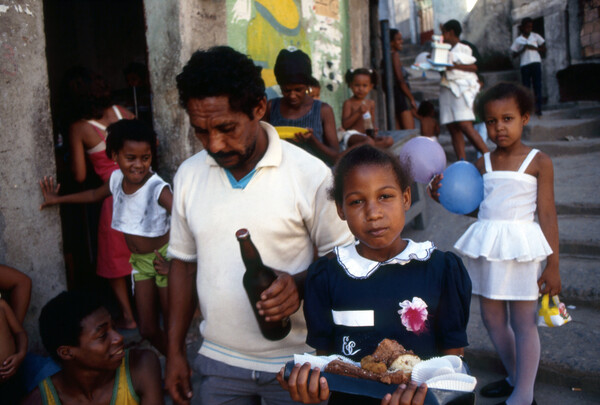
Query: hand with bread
{"x": 410, "y": 394}
{"x": 305, "y": 386}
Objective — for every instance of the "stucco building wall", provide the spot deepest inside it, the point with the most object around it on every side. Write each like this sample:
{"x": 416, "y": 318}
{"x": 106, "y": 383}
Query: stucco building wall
{"x": 30, "y": 240}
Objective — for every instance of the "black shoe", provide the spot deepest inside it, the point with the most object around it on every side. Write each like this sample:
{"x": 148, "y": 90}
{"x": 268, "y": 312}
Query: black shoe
{"x": 497, "y": 389}
{"x": 504, "y": 402}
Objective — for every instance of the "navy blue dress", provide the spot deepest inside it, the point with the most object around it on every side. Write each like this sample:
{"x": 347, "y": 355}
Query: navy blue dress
{"x": 336, "y": 302}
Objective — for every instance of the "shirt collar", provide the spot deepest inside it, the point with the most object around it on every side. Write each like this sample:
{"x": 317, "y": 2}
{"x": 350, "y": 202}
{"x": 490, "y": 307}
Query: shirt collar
{"x": 360, "y": 267}
{"x": 273, "y": 154}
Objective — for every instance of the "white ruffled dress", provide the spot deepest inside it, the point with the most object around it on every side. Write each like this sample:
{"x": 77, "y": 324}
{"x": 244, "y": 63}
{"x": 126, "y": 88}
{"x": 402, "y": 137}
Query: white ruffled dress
{"x": 504, "y": 249}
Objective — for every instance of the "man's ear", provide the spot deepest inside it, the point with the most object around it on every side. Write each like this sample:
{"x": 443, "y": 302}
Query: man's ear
{"x": 114, "y": 155}
{"x": 65, "y": 352}
{"x": 340, "y": 212}
{"x": 260, "y": 109}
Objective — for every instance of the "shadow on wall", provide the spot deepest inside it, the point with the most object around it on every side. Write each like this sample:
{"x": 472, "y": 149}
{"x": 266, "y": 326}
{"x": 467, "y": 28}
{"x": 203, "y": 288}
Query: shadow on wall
{"x": 576, "y": 82}
{"x": 495, "y": 62}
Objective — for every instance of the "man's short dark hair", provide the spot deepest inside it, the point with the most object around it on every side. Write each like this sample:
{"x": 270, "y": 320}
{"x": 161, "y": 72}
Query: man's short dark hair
{"x": 222, "y": 71}
{"x": 453, "y": 25}
{"x": 60, "y": 319}
{"x": 527, "y": 20}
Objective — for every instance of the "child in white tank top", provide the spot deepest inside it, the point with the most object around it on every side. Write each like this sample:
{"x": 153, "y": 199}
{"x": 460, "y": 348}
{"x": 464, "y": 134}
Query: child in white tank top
{"x": 505, "y": 248}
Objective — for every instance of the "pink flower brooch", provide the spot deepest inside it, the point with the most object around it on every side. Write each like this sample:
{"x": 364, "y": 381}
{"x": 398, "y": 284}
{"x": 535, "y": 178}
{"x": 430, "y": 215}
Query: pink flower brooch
{"x": 414, "y": 315}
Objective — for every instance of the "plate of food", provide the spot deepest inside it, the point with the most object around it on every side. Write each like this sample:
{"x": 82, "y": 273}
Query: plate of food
{"x": 289, "y": 132}
{"x": 382, "y": 371}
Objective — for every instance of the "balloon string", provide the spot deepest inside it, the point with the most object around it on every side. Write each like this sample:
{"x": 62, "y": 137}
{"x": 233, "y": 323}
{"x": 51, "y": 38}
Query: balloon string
{"x": 431, "y": 181}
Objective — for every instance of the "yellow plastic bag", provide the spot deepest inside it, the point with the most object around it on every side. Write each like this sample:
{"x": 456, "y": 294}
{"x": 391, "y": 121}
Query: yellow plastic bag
{"x": 552, "y": 316}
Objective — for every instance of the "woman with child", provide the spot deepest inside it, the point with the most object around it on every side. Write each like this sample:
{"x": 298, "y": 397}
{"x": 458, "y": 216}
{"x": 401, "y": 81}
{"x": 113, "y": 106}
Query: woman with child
{"x": 297, "y": 108}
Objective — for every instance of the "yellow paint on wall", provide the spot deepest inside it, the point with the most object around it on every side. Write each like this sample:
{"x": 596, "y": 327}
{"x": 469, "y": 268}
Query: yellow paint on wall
{"x": 268, "y": 76}
{"x": 267, "y": 36}
{"x": 284, "y": 11}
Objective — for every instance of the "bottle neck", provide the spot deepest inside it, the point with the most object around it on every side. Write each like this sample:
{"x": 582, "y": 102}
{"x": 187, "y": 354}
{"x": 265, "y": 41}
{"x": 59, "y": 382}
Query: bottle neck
{"x": 250, "y": 254}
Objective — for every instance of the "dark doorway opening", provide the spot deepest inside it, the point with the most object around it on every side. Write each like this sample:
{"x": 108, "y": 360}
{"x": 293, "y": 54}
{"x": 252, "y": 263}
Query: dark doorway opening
{"x": 105, "y": 37}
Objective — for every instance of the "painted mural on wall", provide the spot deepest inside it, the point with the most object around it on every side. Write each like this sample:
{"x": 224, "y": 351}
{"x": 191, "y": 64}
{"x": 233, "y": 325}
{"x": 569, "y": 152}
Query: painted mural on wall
{"x": 261, "y": 28}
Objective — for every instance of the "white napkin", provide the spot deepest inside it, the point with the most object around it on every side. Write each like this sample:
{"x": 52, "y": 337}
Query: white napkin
{"x": 447, "y": 372}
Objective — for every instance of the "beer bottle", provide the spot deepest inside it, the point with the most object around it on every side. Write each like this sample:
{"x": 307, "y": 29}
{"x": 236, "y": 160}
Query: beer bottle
{"x": 258, "y": 278}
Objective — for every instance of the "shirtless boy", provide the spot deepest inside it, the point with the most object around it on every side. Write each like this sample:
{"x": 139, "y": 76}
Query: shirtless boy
{"x": 77, "y": 331}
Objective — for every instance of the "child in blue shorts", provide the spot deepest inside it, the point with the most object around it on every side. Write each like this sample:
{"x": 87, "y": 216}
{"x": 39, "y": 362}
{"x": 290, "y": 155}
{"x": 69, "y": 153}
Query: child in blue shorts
{"x": 141, "y": 208}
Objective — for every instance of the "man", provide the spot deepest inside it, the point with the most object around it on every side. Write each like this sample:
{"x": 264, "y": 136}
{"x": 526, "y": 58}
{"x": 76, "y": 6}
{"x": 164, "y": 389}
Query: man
{"x": 77, "y": 331}
{"x": 530, "y": 47}
{"x": 245, "y": 178}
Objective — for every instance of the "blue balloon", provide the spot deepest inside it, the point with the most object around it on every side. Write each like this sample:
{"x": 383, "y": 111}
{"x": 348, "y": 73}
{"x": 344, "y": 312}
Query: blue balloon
{"x": 461, "y": 189}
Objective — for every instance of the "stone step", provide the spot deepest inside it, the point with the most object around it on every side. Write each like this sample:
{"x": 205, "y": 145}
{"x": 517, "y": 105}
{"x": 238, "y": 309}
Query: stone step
{"x": 547, "y": 128}
{"x": 576, "y": 181}
{"x": 575, "y": 145}
{"x": 565, "y": 351}
{"x": 580, "y": 280}
{"x": 578, "y": 234}
{"x": 578, "y": 209}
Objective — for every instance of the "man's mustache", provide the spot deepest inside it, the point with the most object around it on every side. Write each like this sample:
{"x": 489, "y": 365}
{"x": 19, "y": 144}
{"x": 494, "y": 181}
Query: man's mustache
{"x": 223, "y": 155}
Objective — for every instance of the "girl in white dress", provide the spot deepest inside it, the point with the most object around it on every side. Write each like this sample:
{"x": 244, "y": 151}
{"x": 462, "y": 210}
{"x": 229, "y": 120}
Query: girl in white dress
{"x": 505, "y": 248}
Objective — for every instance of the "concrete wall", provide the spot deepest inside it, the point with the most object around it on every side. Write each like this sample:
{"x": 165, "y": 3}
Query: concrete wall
{"x": 358, "y": 27}
{"x": 444, "y": 10}
{"x": 175, "y": 30}
{"x": 488, "y": 26}
{"x": 402, "y": 20}
{"x": 30, "y": 240}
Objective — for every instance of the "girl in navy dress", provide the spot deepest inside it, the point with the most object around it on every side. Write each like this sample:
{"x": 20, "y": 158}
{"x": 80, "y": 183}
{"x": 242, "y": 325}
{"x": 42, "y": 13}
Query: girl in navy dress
{"x": 383, "y": 286}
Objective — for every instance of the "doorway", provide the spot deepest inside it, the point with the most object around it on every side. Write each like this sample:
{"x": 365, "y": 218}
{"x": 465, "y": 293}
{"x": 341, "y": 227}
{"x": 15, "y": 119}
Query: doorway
{"x": 107, "y": 37}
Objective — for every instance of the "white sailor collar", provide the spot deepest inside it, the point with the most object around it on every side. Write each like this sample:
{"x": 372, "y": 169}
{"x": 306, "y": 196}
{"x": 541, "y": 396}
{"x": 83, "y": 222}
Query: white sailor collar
{"x": 357, "y": 266}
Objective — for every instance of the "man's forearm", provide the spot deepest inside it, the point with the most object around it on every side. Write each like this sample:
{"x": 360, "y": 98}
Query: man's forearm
{"x": 182, "y": 282}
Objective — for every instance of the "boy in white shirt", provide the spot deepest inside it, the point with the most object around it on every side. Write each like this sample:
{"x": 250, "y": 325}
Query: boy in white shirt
{"x": 531, "y": 47}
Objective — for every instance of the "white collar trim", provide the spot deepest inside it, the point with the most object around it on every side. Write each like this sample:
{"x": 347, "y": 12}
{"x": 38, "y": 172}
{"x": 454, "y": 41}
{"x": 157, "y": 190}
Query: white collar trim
{"x": 357, "y": 266}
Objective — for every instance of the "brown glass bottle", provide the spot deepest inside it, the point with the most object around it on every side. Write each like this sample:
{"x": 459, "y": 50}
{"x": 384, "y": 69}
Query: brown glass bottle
{"x": 258, "y": 278}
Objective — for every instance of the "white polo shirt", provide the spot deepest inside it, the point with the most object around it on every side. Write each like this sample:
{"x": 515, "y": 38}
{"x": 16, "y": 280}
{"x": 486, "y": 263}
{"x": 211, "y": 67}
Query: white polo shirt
{"x": 285, "y": 208}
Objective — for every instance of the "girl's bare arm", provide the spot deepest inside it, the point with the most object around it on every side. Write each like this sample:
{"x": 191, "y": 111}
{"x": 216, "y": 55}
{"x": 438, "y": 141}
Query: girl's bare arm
{"x": 467, "y": 68}
{"x": 350, "y": 117}
{"x": 51, "y": 197}
{"x": 166, "y": 199}
{"x": 549, "y": 282}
